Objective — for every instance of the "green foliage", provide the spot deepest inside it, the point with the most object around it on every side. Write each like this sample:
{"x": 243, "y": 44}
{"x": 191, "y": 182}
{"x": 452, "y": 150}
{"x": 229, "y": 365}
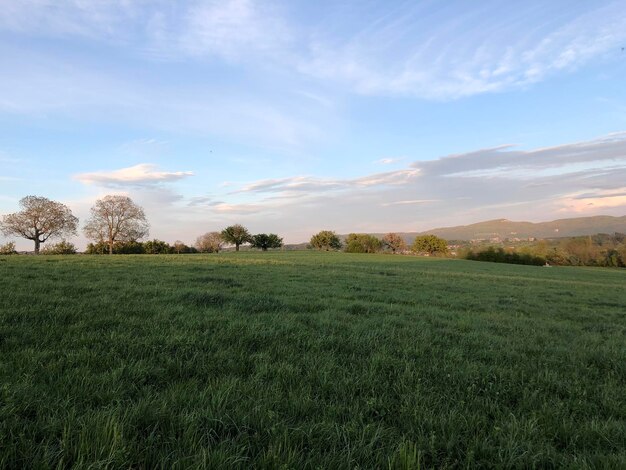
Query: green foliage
{"x": 62, "y": 248}
{"x": 499, "y": 255}
{"x": 236, "y": 235}
{"x": 309, "y": 360}
{"x": 8, "y": 249}
{"x": 362, "y": 243}
{"x": 264, "y": 241}
{"x": 430, "y": 244}
{"x": 326, "y": 240}
{"x": 119, "y": 248}
{"x": 157, "y": 247}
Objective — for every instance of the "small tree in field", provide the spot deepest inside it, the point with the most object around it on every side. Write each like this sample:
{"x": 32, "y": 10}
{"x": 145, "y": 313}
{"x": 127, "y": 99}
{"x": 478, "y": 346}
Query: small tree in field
{"x": 210, "y": 242}
{"x": 265, "y": 241}
{"x": 179, "y": 247}
{"x": 39, "y": 220}
{"x": 236, "y": 235}
{"x": 430, "y": 244}
{"x": 326, "y": 240}
{"x": 362, "y": 243}
{"x": 116, "y": 219}
{"x": 394, "y": 242}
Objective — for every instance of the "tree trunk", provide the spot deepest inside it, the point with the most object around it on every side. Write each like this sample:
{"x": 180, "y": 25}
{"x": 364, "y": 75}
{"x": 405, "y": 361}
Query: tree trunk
{"x": 37, "y": 244}
{"x": 110, "y": 247}
{"x": 236, "y": 246}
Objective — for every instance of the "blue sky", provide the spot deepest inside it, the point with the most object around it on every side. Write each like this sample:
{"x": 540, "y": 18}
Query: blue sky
{"x": 297, "y": 116}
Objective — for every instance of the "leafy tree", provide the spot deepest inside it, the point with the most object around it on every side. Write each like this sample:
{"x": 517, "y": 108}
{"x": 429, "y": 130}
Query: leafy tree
{"x": 156, "y": 247}
{"x": 179, "y": 247}
{"x": 210, "y": 242}
{"x": 265, "y": 241}
{"x": 326, "y": 240}
{"x": 62, "y": 248}
{"x": 116, "y": 219}
{"x": 39, "y": 220}
{"x": 430, "y": 244}
{"x": 8, "y": 249}
{"x": 236, "y": 235}
{"x": 362, "y": 243}
{"x": 394, "y": 242}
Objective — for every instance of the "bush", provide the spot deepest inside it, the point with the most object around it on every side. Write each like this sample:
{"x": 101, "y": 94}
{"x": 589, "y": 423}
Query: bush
{"x": 498, "y": 255}
{"x": 157, "y": 247}
{"x": 119, "y": 248}
{"x": 61, "y": 248}
{"x": 8, "y": 249}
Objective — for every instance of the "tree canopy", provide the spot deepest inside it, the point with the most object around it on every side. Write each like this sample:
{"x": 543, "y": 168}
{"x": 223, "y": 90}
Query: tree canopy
{"x": 326, "y": 240}
{"x": 236, "y": 235}
{"x": 362, "y": 243}
{"x": 39, "y": 220}
{"x": 116, "y": 219}
{"x": 210, "y": 242}
{"x": 394, "y": 242}
{"x": 430, "y": 244}
{"x": 265, "y": 241}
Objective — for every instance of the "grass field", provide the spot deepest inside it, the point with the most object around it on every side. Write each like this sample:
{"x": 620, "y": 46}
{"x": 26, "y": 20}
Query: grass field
{"x": 309, "y": 360}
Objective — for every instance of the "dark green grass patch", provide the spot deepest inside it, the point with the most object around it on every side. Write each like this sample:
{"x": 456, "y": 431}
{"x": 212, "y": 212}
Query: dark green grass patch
{"x": 309, "y": 360}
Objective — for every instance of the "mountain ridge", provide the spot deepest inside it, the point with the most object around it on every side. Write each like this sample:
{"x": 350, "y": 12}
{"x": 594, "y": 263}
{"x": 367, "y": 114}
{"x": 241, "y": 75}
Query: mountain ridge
{"x": 504, "y": 228}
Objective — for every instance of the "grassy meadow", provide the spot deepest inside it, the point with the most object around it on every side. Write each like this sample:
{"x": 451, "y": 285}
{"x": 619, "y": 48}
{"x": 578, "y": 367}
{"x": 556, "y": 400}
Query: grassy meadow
{"x": 309, "y": 360}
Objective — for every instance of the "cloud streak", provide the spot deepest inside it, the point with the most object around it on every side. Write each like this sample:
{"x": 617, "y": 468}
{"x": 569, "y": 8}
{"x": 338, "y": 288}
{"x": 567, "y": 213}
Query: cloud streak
{"x": 141, "y": 175}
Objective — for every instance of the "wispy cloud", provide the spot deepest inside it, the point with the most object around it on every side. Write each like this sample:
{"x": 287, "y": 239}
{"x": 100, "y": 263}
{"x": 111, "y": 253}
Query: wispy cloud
{"x": 413, "y": 49}
{"x": 143, "y": 174}
{"x": 389, "y": 160}
{"x": 429, "y": 53}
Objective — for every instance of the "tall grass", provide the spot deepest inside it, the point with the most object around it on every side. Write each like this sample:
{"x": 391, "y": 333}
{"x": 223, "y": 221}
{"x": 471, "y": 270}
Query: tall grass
{"x": 309, "y": 360}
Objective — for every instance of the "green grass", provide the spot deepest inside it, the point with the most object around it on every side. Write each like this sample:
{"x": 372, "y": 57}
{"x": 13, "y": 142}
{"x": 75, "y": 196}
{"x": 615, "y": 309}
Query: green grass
{"x": 309, "y": 360}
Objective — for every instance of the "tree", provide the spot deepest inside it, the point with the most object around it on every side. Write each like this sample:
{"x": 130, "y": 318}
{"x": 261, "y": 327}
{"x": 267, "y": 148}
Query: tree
{"x": 236, "y": 235}
{"x": 116, "y": 219}
{"x": 39, "y": 220}
{"x": 394, "y": 242}
{"x": 326, "y": 240}
{"x": 362, "y": 243}
{"x": 265, "y": 241}
{"x": 210, "y": 242}
{"x": 179, "y": 247}
{"x": 430, "y": 244}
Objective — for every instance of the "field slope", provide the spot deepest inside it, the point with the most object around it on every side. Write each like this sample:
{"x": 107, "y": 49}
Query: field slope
{"x": 309, "y": 360}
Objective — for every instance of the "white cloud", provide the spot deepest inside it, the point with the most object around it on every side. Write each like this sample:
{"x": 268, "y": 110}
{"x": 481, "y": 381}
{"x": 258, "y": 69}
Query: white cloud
{"x": 143, "y": 174}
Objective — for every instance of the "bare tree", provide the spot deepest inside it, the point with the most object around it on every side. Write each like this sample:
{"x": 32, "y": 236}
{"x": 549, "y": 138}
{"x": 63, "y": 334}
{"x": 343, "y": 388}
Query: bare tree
{"x": 394, "y": 242}
{"x": 210, "y": 242}
{"x": 39, "y": 220}
{"x": 116, "y": 219}
{"x": 179, "y": 246}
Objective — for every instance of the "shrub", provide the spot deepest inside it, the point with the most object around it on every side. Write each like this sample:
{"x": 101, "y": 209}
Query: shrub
{"x": 8, "y": 249}
{"x": 62, "y": 248}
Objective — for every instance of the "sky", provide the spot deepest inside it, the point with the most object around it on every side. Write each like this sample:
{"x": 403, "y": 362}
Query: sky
{"x": 295, "y": 116}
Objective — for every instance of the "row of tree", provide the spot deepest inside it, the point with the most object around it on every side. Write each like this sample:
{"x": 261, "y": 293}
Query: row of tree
{"x": 116, "y": 225}
{"x": 366, "y": 243}
{"x": 603, "y": 250}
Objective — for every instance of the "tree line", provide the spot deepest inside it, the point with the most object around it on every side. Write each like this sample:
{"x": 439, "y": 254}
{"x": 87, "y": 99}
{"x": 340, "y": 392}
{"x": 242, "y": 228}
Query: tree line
{"x": 602, "y": 250}
{"x": 116, "y": 225}
{"x": 365, "y": 243}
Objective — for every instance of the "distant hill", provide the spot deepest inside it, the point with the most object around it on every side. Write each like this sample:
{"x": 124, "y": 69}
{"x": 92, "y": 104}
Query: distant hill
{"x": 503, "y": 228}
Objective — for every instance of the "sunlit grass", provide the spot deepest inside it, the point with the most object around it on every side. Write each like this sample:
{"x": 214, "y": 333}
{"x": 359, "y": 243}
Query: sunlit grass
{"x": 309, "y": 360}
